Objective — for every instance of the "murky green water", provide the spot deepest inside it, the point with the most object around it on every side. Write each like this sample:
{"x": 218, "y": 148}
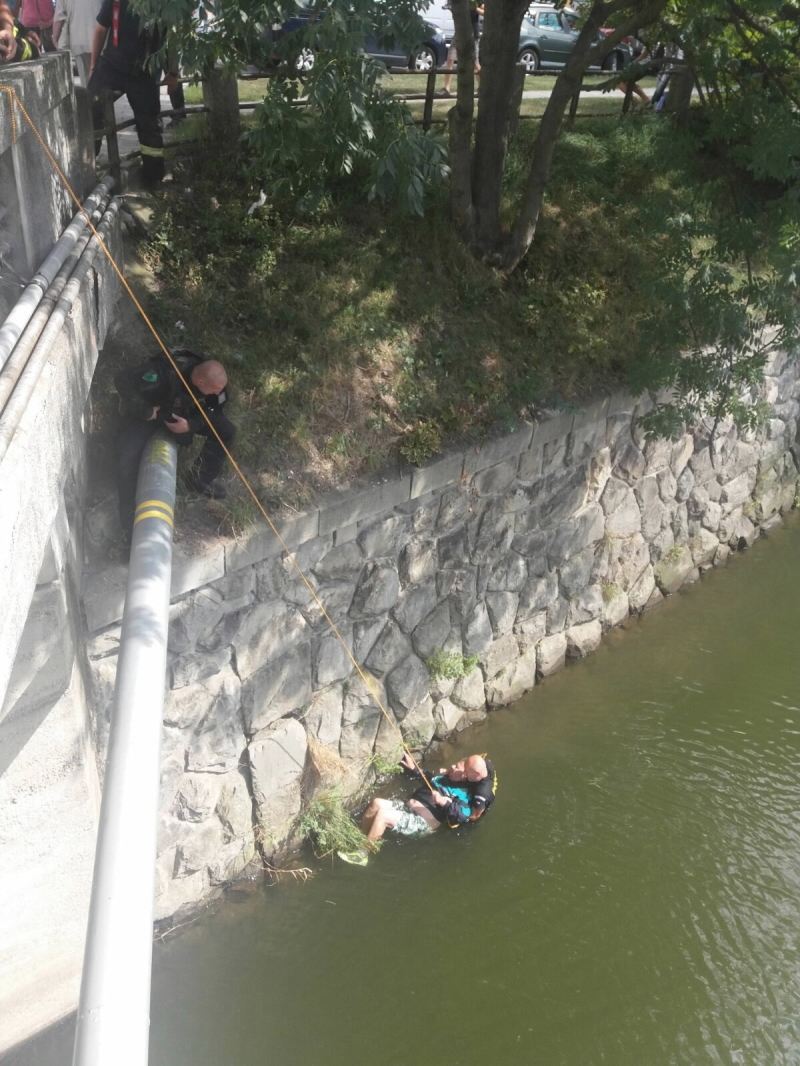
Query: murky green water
{"x": 632, "y": 899}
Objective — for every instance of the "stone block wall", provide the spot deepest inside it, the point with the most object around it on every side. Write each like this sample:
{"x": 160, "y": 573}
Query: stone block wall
{"x": 521, "y": 552}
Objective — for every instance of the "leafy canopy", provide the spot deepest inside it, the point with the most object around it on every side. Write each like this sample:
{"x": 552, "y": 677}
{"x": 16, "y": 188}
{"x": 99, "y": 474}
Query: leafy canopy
{"x": 350, "y": 130}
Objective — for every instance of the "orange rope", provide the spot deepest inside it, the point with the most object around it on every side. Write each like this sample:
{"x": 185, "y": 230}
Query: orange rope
{"x": 13, "y": 96}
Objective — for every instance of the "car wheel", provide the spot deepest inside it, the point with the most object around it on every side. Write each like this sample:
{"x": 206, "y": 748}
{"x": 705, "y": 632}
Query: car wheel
{"x": 529, "y": 58}
{"x": 305, "y": 61}
{"x": 612, "y": 63}
{"x": 424, "y": 60}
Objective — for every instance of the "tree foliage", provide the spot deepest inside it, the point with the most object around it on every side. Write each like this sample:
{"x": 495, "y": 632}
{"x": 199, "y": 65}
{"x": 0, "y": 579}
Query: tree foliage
{"x": 727, "y": 291}
{"x": 349, "y": 130}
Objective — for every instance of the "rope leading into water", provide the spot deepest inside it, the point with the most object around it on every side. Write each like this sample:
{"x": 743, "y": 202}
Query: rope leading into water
{"x": 13, "y": 98}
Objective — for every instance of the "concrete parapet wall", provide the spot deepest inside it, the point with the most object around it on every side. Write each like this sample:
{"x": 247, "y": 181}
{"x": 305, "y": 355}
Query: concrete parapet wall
{"x": 48, "y": 774}
{"x": 34, "y": 204}
{"x": 521, "y": 551}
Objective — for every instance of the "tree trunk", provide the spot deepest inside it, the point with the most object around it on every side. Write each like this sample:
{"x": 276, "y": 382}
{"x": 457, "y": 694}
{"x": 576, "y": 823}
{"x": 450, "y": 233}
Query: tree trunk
{"x": 460, "y": 124}
{"x": 221, "y": 97}
{"x": 499, "y": 46}
{"x": 586, "y": 51}
{"x": 679, "y": 93}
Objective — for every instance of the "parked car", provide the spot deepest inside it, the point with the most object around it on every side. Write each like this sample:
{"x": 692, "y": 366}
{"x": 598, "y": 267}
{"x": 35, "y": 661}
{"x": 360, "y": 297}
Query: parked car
{"x": 548, "y": 37}
{"x": 430, "y": 53}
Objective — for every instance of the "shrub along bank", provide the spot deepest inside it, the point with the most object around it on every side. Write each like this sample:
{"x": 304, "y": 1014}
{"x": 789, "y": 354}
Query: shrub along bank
{"x": 356, "y": 336}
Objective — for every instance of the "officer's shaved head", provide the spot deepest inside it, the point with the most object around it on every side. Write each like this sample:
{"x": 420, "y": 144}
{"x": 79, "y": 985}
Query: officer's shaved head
{"x": 210, "y": 377}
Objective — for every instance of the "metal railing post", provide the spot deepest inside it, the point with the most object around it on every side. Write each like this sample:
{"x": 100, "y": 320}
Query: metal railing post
{"x": 113, "y": 1023}
{"x": 430, "y": 91}
{"x": 110, "y": 123}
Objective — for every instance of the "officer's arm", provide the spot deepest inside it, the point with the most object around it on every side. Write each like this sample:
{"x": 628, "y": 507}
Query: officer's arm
{"x": 59, "y": 18}
{"x": 98, "y": 40}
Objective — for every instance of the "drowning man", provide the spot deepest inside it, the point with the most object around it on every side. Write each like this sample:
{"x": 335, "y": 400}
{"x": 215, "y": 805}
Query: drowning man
{"x": 458, "y": 794}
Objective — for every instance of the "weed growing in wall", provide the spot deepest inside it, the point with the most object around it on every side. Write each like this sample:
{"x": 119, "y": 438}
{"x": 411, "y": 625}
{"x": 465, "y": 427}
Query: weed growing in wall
{"x": 331, "y": 827}
{"x": 450, "y": 665}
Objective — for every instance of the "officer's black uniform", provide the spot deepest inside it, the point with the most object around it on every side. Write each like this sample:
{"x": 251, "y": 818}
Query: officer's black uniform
{"x": 122, "y": 68}
{"x": 155, "y": 384}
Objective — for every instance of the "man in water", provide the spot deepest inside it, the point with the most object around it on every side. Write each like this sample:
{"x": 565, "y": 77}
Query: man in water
{"x": 460, "y": 793}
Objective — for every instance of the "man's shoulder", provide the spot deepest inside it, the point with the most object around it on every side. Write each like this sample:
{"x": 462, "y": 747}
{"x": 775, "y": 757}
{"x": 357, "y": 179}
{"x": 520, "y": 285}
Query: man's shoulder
{"x": 483, "y": 791}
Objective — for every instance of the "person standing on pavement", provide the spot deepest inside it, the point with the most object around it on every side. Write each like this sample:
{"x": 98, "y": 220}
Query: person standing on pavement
{"x": 152, "y": 395}
{"x": 121, "y": 52}
{"x": 475, "y": 15}
{"x": 73, "y": 30}
{"x": 37, "y": 15}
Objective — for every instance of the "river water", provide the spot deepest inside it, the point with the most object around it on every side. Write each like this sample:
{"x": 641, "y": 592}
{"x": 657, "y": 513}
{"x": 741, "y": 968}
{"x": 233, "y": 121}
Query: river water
{"x": 631, "y": 900}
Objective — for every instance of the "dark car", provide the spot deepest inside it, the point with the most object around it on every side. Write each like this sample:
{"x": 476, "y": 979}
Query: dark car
{"x": 430, "y": 53}
{"x": 548, "y": 37}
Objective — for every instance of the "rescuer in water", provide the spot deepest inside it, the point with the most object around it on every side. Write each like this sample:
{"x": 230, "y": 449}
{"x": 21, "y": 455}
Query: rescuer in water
{"x": 153, "y": 395}
{"x": 461, "y": 793}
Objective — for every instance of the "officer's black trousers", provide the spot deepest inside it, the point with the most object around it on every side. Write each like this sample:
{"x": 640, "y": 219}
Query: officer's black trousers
{"x": 143, "y": 96}
{"x": 134, "y": 435}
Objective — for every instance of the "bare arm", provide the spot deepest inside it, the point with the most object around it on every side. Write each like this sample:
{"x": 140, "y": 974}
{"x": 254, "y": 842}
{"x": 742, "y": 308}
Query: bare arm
{"x": 98, "y": 40}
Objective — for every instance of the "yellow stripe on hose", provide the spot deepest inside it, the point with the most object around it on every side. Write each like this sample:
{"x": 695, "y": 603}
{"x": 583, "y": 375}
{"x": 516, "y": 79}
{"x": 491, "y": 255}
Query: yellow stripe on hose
{"x": 156, "y": 503}
{"x": 153, "y": 514}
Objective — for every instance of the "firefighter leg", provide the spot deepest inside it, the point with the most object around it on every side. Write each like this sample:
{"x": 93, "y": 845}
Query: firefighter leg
{"x": 143, "y": 96}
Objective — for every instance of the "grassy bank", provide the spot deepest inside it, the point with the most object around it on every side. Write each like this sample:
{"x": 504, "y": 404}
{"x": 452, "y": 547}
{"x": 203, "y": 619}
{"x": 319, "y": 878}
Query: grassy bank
{"x": 355, "y": 336}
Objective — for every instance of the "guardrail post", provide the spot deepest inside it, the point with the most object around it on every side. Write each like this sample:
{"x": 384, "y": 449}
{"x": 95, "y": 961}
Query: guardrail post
{"x": 576, "y": 99}
{"x": 430, "y": 90}
{"x": 516, "y": 98}
{"x": 110, "y": 123}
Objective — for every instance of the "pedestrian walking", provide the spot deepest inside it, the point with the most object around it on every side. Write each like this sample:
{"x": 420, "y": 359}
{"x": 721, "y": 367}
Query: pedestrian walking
{"x": 475, "y": 15}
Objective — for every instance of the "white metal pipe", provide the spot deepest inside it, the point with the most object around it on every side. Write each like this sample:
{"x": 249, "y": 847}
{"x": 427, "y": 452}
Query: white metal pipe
{"x": 15, "y": 364}
{"x": 15, "y": 408}
{"x": 23, "y": 309}
{"x": 114, "y": 1010}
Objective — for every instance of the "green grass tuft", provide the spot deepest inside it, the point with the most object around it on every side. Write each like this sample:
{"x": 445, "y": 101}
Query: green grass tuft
{"x": 450, "y": 665}
{"x": 331, "y": 827}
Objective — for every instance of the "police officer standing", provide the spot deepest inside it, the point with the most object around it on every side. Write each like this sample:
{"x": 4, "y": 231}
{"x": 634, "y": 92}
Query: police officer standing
{"x": 153, "y": 395}
{"x": 121, "y": 48}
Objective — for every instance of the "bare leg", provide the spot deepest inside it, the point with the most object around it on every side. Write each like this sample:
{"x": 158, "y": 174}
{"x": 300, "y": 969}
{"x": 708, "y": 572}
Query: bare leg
{"x": 369, "y": 816}
{"x": 448, "y": 65}
{"x": 378, "y": 817}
